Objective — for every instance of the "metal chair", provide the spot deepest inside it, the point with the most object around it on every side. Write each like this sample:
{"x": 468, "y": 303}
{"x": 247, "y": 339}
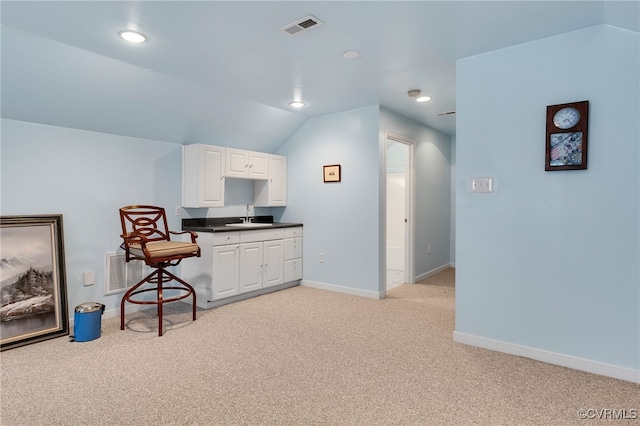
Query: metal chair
{"x": 147, "y": 237}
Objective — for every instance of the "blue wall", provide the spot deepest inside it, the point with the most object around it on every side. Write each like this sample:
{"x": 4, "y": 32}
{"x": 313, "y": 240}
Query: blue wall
{"x": 86, "y": 177}
{"x": 550, "y": 260}
{"x": 340, "y": 220}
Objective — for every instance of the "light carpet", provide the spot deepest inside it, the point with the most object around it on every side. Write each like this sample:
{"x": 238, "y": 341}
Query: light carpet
{"x": 301, "y": 356}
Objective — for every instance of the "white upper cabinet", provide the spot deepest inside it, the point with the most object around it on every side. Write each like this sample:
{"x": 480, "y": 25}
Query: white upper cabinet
{"x": 203, "y": 176}
{"x": 246, "y": 164}
{"x": 272, "y": 192}
{"x": 205, "y": 167}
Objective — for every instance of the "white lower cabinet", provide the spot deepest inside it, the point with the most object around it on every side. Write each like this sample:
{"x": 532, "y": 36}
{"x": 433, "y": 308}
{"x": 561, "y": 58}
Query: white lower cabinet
{"x": 250, "y": 267}
{"x": 260, "y": 265}
{"x": 238, "y": 263}
{"x": 292, "y": 254}
{"x": 273, "y": 266}
{"x": 225, "y": 272}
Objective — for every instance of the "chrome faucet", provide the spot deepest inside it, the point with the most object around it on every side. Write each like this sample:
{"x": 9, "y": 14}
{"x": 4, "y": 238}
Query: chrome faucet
{"x": 246, "y": 219}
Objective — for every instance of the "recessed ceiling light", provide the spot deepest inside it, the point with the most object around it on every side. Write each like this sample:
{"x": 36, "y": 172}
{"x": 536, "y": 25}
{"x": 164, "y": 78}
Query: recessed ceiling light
{"x": 351, "y": 54}
{"x": 296, "y": 104}
{"x": 132, "y": 36}
{"x": 417, "y": 95}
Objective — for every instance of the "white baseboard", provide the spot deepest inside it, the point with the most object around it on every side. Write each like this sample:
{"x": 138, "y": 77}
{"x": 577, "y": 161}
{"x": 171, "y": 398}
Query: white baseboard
{"x": 562, "y": 360}
{"x": 433, "y": 272}
{"x": 345, "y": 290}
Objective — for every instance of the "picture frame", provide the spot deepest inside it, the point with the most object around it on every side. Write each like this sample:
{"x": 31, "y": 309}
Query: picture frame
{"x": 33, "y": 290}
{"x": 332, "y": 173}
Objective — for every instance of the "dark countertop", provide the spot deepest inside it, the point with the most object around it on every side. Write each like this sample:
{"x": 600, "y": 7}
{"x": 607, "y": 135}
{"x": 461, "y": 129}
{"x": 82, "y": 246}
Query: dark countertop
{"x": 220, "y": 224}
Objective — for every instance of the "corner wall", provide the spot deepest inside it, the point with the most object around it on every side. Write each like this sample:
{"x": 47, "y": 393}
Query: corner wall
{"x": 547, "y": 265}
{"x": 341, "y": 220}
{"x": 86, "y": 177}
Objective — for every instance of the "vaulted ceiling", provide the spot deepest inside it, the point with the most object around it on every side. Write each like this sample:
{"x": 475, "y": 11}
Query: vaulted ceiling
{"x": 223, "y": 73}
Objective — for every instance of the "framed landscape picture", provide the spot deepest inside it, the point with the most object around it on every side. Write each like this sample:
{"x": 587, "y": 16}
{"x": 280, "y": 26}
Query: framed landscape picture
{"x": 33, "y": 288}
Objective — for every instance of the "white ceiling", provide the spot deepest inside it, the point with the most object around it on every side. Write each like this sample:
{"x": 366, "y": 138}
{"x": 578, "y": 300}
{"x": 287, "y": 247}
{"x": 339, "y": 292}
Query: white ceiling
{"x": 221, "y": 72}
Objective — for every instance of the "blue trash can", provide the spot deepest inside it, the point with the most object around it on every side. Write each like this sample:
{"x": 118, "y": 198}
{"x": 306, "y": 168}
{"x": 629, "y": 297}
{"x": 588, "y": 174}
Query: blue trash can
{"x": 87, "y": 321}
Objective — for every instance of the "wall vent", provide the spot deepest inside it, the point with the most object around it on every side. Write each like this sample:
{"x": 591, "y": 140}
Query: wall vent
{"x": 301, "y": 25}
{"x": 121, "y": 275}
{"x": 445, "y": 113}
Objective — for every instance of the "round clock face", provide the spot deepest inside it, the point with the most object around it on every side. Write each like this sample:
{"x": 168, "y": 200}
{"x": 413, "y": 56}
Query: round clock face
{"x": 566, "y": 118}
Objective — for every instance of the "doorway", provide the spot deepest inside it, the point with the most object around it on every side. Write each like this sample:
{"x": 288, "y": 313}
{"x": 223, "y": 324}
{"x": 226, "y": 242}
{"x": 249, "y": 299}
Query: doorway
{"x": 399, "y": 210}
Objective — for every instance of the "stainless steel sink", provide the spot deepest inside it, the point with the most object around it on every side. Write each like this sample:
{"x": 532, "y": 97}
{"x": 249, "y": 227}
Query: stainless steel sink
{"x": 249, "y": 225}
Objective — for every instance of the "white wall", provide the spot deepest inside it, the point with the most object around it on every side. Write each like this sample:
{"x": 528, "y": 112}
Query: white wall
{"x": 86, "y": 177}
{"x": 549, "y": 261}
{"x": 433, "y": 189}
{"x": 340, "y": 220}
{"x": 396, "y": 201}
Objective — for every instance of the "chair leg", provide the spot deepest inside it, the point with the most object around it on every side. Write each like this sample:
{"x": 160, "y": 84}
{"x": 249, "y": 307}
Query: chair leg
{"x": 127, "y": 295}
{"x": 158, "y": 278}
{"x": 187, "y": 285}
{"x": 160, "y": 301}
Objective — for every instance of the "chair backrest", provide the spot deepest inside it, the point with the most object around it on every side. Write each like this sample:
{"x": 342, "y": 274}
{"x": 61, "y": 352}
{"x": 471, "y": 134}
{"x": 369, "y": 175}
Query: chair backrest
{"x": 149, "y": 221}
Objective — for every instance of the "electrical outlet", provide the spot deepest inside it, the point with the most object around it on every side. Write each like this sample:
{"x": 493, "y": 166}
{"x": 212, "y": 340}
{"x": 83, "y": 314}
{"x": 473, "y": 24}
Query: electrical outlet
{"x": 429, "y": 249}
{"x": 321, "y": 257}
{"x": 178, "y": 211}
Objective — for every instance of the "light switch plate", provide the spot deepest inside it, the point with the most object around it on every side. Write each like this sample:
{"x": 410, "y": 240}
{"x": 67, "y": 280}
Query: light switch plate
{"x": 89, "y": 278}
{"x": 482, "y": 184}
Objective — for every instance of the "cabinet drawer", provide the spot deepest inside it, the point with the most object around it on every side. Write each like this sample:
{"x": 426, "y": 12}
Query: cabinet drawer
{"x": 224, "y": 238}
{"x": 292, "y": 270}
{"x": 261, "y": 235}
{"x": 292, "y": 248}
{"x": 293, "y": 232}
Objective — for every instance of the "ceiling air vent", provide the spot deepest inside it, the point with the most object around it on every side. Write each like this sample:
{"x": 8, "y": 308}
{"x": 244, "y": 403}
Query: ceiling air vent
{"x": 301, "y": 25}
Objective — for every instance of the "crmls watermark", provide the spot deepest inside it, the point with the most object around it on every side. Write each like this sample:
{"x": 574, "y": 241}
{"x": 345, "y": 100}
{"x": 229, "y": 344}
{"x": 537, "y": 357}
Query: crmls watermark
{"x": 608, "y": 413}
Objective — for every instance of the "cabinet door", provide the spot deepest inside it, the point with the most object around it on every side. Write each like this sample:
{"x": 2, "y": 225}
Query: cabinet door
{"x": 273, "y": 263}
{"x": 225, "y": 270}
{"x": 237, "y": 162}
{"x": 278, "y": 180}
{"x": 258, "y": 165}
{"x": 272, "y": 192}
{"x": 250, "y": 267}
{"x": 213, "y": 177}
{"x": 292, "y": 270}
{"x": 203, "y": 176}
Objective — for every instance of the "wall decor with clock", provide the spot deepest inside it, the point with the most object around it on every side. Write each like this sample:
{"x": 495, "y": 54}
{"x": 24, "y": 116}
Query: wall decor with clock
{"x": 566, "y": 143}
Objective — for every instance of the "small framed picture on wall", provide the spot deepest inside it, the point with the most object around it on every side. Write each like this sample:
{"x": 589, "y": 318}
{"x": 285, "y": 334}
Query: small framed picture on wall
{"x": 332, "y": 173}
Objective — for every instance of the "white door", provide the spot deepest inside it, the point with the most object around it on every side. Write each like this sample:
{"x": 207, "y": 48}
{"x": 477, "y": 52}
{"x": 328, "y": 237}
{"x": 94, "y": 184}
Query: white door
{"x": 225, "y": 271}
{"x": 250, "y": 267}
{"x": 399, "y": 211}
{"x": 273, "y": 263}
